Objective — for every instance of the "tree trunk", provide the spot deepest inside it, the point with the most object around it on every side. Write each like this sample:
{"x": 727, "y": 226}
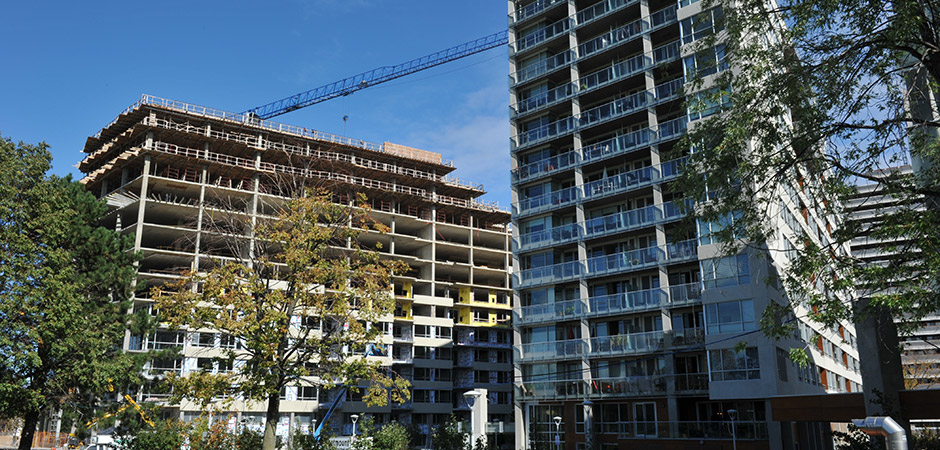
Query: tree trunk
{"x": 30, "y": 420}
{"x": 270, "y": 421}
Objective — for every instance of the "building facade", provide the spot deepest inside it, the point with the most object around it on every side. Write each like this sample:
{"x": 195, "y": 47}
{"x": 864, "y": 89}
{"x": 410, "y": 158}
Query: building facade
{"x": 629, "y": 328}
{"x": 171, "y": 171}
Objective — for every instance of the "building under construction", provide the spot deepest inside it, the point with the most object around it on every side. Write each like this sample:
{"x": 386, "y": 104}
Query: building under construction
{"x": 166, "y": 168}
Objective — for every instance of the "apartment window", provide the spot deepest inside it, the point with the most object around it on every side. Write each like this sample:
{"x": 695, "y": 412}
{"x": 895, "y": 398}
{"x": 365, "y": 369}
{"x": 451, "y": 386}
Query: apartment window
{"x": 481, "y": 355}
{"x": 502, "y": 337}
{"x": 707, "y": 102}
{"x": 503, "y": 398}
{"x": 782, "y": 362}
{"x": 444, "y": 332}
{"x": 306, "y": 392}
{"x": 166, "y": 339}
{"x": 481, "y": 316}
{"x": 204, "y": 340}
{"x": 205, "y": 364}
{"x": 709, "y": 229}
{"x": 502, "y": 357}
{"x": 422, "y": 331}
{"x": 228, "y": 341}
{"x": 421, "y": 396}
{"x": 481, "y": 376}
{"x": 731, "y": 365}
{"x": 705, "y": 62}
{"x": 726, "y": 271}
{"x": 701, "y": 25}
{"x": 730, "y": 317}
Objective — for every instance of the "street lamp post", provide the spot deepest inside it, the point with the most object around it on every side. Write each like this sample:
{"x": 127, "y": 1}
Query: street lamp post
{"x": 557, "y": 420}
{"x": 354, "y": 418}
{"x": 733, "y": 414}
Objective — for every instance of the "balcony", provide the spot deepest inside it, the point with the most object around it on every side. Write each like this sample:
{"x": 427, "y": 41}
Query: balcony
{"x": 617, "y": 72}
{"x": 550, "y": 200}
{"x": 543, "y": 67}
{"x": 539, "y": 101}
{"x": 619, "y": 145}
{"x": 624, "y": 221}
{"x": 685, "y": 294}
{"x": 663, "y": 17}
{"x": 625, "y": 261}
{"x": 617, "y": 108}
{"x": 627, "y": 344}
{"x": 601, "y": 9}
{"x": 542, "y": 34}
{"x": 673, "y": 129}
{"x": 690, "y": 383}
{"x": 667, "y": 52}
{"x": 612, "y": 38}
{"x": 545, "y": 132}
{"x": 697, "y": 430}
{"x": 546, "y": 166}
{"x": 626, "y": 302}
{"x": 567, "y": 349}
{"x": 593, "y": 228}
{"x": 550, "y": 274}
{"x": 530, "y": 10}
{"x": 614, "y": 387}
{"x": 552, "y": 312}
{"x": 682, "y": 251}
{"x": 621, "y": 183}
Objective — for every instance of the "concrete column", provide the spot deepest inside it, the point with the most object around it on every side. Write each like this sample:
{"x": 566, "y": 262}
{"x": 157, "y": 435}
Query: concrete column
{"x": 142, "y": 203}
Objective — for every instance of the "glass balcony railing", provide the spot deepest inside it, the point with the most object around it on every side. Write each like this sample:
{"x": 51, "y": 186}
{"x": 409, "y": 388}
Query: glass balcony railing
{"x": 617, "y": 72}
{"x": 544, "y": 132}
{"x": 549, "y": 200}
{"x": 629, "y": 386}
{"x": 617, "y": 146}
{"x": 620, "y": 183}
{"x": 625, "y": 344}
{"x": 612, "y": 38}
{"x": 682, "y": 251}
{"x": 543, "y": 34}
{"x": 593, "y": 116}
{"x": 550, "y": 274}
{"x": 554, "y": 350}
{"x": 552, "y": 236}
{"x": 667, "y": 52}
{"x": 627, "y": 220}
{"x": 557, "y": 311}
{"x": 539, "y": 101}
{"x": 615, "y": 109}
{"x": 546, "y": 166}
{"x": 670, "y": 89}
{"x": 688, "y": 336}
{"x": 532, "y": 9}
{"x": 663, "y": 17}
{"x": 601, "y": 9}
{"x": 683, "y": 294}
{"x": 673, "y": 128}
{"x": 624, "y": 386}
{"x": 671, "y": 211}
{"x": 625, "y": 302}
{"x": 621, "y": 262}
{"x": 696, "y": 430}
{"x": 542, "y": 67}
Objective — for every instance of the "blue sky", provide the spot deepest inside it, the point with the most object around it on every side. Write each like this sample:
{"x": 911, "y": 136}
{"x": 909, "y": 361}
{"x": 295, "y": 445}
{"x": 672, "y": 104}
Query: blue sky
{"x": 71, "y": 67}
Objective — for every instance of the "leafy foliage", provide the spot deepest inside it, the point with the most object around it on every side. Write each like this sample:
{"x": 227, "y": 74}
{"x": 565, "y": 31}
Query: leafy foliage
{"x": 302, "y": 300}
{"x": 825, "y": 95}
{"x": 448, "y": 435}
{"x": 65, "y": 287}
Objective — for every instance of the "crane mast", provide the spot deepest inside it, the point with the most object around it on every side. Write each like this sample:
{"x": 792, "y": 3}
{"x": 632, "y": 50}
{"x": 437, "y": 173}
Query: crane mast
{"x": 380, "y": 75}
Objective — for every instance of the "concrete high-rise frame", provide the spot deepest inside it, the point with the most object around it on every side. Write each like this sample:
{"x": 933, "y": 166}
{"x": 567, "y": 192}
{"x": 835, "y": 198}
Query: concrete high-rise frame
{"x": 628, "y": 328}
{"x": 169, "y": 170}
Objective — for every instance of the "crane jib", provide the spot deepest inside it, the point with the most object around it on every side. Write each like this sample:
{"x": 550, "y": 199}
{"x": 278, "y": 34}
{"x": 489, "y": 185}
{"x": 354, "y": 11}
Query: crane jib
{"x": 377, "y": 76}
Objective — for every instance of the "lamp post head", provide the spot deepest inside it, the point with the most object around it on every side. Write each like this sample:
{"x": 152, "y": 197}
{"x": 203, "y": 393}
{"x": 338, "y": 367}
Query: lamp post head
{"x": 557, "y": 420}
{"x": 354, "y": 418}
{"x": 471, "y": 397}
{"x": 733, "y": 414}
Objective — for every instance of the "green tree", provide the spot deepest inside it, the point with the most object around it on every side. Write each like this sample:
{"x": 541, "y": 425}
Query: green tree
{"x": 65, "y": 288}
{"x": 448, "y": 435}
{"x": 819, "y": 97}
{"x": 304, "y": 300}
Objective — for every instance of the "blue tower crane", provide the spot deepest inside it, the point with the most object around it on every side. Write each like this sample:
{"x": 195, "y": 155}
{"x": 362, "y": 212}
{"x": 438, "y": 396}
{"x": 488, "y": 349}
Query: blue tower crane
{"x": 380, "y": 75}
